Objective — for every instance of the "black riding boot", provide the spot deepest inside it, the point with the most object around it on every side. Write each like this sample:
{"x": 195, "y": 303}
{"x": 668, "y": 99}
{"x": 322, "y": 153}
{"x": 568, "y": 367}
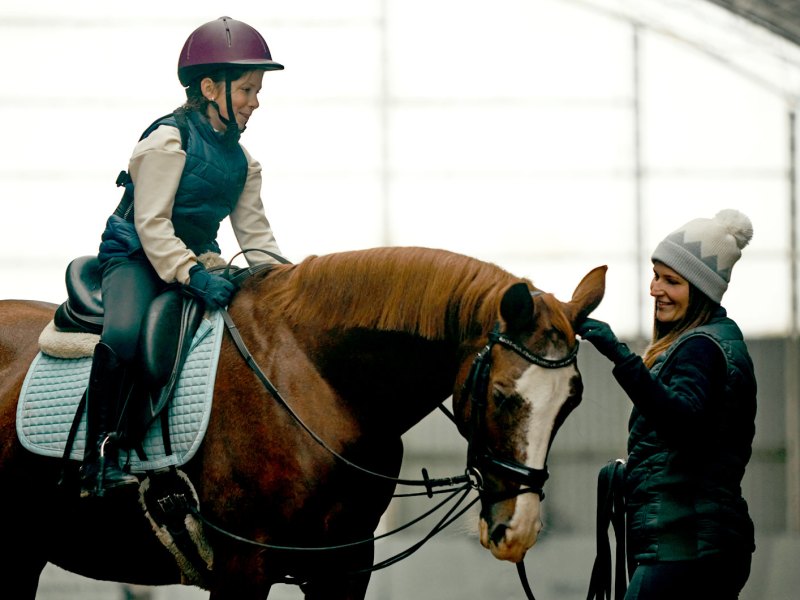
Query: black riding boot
{"x": 100, "y": 470}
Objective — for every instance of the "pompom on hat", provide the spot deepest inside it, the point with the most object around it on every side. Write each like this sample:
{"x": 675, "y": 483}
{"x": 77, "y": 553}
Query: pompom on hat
{"x": 704, "y": 250}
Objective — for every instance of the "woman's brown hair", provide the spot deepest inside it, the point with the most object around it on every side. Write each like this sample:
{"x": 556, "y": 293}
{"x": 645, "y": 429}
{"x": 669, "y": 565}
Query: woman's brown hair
{"x": 698, "y": 313}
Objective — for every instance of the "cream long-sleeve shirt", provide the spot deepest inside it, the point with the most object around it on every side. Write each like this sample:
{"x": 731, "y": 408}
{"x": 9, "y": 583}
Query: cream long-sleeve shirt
{"x": 156, "y": 167}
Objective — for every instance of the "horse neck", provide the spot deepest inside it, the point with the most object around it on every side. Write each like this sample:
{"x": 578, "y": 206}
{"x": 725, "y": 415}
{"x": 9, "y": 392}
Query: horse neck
{"x": 394, "y": 377}
{"x": 390, "y": 341}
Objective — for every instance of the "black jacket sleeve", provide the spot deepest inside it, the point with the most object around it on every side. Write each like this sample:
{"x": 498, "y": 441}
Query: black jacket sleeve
{"x": 681, "y": 399}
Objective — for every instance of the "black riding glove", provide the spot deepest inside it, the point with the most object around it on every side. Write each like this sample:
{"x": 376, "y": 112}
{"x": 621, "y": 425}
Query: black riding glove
{"x": 214, "y": 290}
{"x": 602, "y": 337}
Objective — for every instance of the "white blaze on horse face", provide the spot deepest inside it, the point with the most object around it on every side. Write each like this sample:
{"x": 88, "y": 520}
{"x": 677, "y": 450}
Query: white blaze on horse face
{"x": 546, "y": 391}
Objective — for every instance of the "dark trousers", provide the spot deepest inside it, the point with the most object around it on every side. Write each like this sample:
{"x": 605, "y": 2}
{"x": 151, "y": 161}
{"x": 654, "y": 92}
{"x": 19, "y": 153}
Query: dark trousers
{"x": 716, "y": 578}
{"x": 129, "y": 286}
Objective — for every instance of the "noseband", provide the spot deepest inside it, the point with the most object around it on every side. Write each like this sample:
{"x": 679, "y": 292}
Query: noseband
{"x": 477, "y": 388}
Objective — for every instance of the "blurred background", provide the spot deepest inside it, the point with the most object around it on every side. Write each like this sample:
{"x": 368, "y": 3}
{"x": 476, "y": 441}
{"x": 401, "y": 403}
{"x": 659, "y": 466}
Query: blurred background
{"x": 546, "y": 136}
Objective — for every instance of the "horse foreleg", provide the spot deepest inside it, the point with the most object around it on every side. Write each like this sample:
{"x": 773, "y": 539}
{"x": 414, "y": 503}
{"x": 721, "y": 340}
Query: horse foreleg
{"x": 352, "y": 587}
{"x": 344, "y": 579}
{"x": 238, "y": 575}
{"x": 238, "y": 591}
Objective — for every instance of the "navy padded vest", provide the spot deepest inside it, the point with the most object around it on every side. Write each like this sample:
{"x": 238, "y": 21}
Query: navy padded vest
{"x": 212, "y": 181}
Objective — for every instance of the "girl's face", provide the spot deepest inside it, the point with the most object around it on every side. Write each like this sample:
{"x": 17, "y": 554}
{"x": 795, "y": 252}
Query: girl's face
{"x": 671, "y": 292}
{"x": 244, "y": 98}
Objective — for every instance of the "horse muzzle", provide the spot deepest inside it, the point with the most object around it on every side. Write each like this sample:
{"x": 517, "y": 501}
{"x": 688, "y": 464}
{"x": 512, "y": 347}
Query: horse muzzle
{"x": 510, "y": 521}
{"x": 510, "y": 538}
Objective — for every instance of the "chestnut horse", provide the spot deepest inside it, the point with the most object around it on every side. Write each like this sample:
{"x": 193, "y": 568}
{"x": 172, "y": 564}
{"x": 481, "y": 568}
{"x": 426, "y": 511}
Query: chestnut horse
{"x": 362, "y": 345}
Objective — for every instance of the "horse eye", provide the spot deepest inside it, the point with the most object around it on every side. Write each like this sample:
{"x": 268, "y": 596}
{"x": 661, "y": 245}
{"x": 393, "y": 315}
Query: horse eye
{"x": 502, "y": 396}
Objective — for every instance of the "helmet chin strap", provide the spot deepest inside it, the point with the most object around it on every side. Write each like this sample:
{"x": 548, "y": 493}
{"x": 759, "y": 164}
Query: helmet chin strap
{"x": 231, "y": 134}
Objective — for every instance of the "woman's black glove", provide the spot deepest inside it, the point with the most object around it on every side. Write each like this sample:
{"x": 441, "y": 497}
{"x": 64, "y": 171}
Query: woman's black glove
{"x": 602, "y": 337}
{"x": 214, "y": 290}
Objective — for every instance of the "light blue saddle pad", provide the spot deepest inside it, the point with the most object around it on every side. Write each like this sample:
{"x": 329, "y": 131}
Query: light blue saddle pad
{"x": 53, "y": 388}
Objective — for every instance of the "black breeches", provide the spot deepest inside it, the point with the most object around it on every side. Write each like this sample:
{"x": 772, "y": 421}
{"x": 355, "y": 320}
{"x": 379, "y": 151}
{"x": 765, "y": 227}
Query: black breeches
{"x": 129, "y": 286}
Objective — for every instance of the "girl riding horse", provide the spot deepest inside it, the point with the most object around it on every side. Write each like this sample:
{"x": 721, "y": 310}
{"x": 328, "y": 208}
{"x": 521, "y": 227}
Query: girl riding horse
{"x": 187, "y": 173}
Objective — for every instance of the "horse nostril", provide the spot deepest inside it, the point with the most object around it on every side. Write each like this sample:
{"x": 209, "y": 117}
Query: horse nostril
{"x": 498, "y": 534}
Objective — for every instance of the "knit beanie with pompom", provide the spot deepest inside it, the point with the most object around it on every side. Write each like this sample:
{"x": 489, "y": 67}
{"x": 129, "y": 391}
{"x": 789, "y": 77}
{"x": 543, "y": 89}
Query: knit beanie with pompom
{"x": 704, "y": 250}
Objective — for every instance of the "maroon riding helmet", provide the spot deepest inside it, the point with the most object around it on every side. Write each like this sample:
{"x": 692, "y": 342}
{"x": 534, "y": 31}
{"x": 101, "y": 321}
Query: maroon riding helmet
{"x": 222, "y": 43}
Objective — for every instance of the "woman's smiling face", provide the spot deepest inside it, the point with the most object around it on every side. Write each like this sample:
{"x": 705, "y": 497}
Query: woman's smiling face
{"x": 671, "y": 292}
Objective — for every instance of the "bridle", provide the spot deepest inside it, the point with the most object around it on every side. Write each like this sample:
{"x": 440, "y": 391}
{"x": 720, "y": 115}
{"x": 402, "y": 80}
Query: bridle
{"x": 476, "y": 387}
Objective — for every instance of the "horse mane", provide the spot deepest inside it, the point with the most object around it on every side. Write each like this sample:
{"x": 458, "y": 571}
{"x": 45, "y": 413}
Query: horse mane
{"x": 435, "y": 294}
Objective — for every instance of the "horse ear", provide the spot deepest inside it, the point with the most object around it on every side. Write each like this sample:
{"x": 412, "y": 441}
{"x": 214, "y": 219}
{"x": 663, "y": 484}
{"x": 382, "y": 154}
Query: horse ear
{"x": 516, "y": 307}
{"x": 588, "y": 295}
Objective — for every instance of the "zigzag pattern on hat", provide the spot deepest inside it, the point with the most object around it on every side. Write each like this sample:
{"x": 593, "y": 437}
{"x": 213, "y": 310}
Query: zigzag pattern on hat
{"x": 696, "y": 249}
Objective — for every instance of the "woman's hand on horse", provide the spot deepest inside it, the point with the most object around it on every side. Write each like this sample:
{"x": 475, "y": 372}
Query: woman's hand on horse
{"x": 213, "y": 289}
{"x": 600, "y": 334}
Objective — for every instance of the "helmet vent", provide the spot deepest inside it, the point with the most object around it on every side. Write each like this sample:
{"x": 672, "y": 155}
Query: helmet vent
{"x": 227, "y": 31}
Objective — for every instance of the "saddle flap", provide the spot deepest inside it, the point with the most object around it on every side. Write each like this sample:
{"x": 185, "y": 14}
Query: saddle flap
{"x": 170, "y": 323}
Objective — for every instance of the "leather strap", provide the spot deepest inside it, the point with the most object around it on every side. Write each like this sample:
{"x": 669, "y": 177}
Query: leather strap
{"x": 610, "y": 512}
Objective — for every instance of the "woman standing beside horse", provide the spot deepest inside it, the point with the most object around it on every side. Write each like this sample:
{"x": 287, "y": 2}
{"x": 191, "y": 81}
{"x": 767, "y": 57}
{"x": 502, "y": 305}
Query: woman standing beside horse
{"x": 691, "y": 430}
{"x": 187, "y": 173}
